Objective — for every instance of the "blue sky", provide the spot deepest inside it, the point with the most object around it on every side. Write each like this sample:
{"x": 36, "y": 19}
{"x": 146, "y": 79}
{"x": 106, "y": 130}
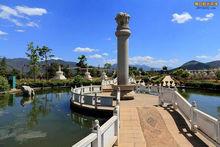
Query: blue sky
{"x": 163, "y": 32}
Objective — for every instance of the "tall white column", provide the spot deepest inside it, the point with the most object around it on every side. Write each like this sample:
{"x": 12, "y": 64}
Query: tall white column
{"x": 122, "y": 33}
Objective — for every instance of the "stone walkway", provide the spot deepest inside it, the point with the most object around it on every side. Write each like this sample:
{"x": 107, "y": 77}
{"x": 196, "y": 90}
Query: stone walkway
{"x": 143, "y": 124}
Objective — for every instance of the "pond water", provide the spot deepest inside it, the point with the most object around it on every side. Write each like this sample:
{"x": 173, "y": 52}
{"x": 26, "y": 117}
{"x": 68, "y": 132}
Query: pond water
{"x": 45, "y": 121}
{"x": 207, "y": 101}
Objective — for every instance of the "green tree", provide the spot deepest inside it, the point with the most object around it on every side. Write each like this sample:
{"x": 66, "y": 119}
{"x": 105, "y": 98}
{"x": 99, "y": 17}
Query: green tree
{"x": 16, "y": 73}
{"x": 107, "y": 65}
{"x": 164, "y": 68}
{"x": 82, "y": 61}
{"x": 3, "y": 67}
{"x": 67, "y": 71}
{"x": 45, "y": 53}
{"x": 33, "y": 54}
{"x": 218, "y": 74}
{"x": 52, "y": 68}
{"x": 4, "y": 86}
{"x": 180, "y": 74}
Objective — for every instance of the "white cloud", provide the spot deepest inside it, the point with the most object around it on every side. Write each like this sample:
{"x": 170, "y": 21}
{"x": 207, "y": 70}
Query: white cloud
{"x": 32, "y": 24}
{"x": 105, "y": 54}
{"x": 56, "y": 58}
{"x": 20, "y": 31}
{"x": 96, "y": 56}
{"x": 109, "y": 39}
{"x": 202, "y": 57}
{"x": 3, "y": 33}
{"x": 85, "y": 50}
{"x": 150, "y": 61}
{"x": 31, "y": 11}
{"x": 210, "y": 58}
{"x": 7, "y": 12}
{"x": 206, "y": 18}
{"x": 10, "y": 14}
{"x": 19, "y": 14}
{"x": 181, "y": 18}
{"x": 111, "y": 61}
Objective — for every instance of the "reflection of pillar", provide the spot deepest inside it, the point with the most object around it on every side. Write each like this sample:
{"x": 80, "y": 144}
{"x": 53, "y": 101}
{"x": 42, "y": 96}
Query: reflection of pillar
{"x": 122, "y": 33}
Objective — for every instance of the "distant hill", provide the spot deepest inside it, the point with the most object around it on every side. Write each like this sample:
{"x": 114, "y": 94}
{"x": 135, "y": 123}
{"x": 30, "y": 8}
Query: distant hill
{"x": 145, "y": 67}
{"x": 19, "y": 63}
{"x": 214, "y": 64}
{"x": 196, "y": 65}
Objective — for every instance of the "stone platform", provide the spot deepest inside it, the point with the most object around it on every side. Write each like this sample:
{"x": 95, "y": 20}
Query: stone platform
{"x": 144, "y": 124}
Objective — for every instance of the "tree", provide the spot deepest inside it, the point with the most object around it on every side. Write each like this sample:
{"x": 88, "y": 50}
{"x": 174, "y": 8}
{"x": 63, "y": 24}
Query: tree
{"x": 82, "y": 61}
{"x": 3, "y": 67}
{"x": 15, "y": 72}
{"x": 180, "y": 74}
{"x": 164, "y": 68}
{"x": 51, "y": 70}
{"x": 33, "y": 54}
{"x": 4, "y": 86}
{"x": 218, "y": 74}
{"x": 107, "y": 65}
{"x": 45, "y": 54}
{"x": 67, "y": 71}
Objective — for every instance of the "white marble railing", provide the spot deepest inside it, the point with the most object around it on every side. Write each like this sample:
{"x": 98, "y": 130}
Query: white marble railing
{"x": 87, "y": 95}
{"x": 148, "y": 89}
{"x": 106, "y": 135}
{"x": 199, "y": 121}
{"x": 114, "y": 81}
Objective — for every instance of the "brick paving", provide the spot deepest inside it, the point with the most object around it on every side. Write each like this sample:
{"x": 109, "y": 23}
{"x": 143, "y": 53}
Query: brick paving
{"x": 137, "y": 130}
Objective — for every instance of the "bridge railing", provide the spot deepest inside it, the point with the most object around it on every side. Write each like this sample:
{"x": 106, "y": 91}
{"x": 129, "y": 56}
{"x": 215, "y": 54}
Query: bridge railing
{"x": 199, "y": 121}
{"x": 106, "y": 135}
{"x": 87, "y": 95}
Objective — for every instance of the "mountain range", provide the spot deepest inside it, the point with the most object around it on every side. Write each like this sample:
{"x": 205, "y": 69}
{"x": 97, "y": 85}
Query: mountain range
{"x": 22, "y": 63}
{"x": 196, "y": 65}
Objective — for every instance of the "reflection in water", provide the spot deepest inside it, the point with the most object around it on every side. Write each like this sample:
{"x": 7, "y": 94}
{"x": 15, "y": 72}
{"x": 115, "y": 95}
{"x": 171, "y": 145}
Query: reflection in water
{"x": 85, "y": 121}
{"x": 7, "y": 100}
{"x": 184, "y": 93}
{"x": 26, "y": 100}
{"x": 207, "y": 100}
{"x": 45, "y": 120}
{"x": 40, "y": 107}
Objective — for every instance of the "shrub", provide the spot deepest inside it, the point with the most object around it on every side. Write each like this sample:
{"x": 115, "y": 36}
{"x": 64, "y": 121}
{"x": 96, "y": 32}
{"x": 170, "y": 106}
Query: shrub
{"x": 76, "y": 81}
{"x": 203, "y": 85}
{"x": 4, "y": 86}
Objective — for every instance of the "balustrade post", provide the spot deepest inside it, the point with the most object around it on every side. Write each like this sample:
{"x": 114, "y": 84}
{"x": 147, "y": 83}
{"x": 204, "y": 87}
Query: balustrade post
{"x": 82, "y": 88}
{"x": 161, "y": 102}
{"x": 96, "y": 100}
{"x": 174, "y": 100}
{"x": 80, "y": 97}
{"x": 218, "y": 131}
{"x": 96, "y": 129}
{"x": 116, "y": 112}
{"x": 193, "y": 117}
{"x": 118, "y": 96}
{"x": 90, "y": 88}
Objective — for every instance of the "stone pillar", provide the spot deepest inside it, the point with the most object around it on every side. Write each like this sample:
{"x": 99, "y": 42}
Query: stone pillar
{"x": 122, "y": 33}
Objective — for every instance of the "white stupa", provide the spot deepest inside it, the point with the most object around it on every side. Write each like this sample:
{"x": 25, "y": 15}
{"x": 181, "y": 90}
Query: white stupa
{"x": 87, "y": 75}
{"x": 104, "y": 76}
{"x": 59, "y": 75}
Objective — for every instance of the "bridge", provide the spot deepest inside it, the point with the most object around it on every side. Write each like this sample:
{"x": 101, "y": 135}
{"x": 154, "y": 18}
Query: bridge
{"x": 160, "y": 117}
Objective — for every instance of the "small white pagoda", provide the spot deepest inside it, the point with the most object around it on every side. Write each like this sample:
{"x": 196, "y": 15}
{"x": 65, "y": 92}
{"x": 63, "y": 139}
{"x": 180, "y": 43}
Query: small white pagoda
{"x": 59, "y": 75}
{"x": 87, "y": 75}
{"x": 104, "y": 76}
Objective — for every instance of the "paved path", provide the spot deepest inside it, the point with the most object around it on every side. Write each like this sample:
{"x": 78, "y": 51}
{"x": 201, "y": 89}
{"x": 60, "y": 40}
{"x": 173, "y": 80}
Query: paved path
{"x": 145, "y": 125}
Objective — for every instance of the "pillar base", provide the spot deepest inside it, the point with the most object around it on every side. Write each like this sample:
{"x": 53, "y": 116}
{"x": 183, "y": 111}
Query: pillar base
{"x": 126, "y": 91}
